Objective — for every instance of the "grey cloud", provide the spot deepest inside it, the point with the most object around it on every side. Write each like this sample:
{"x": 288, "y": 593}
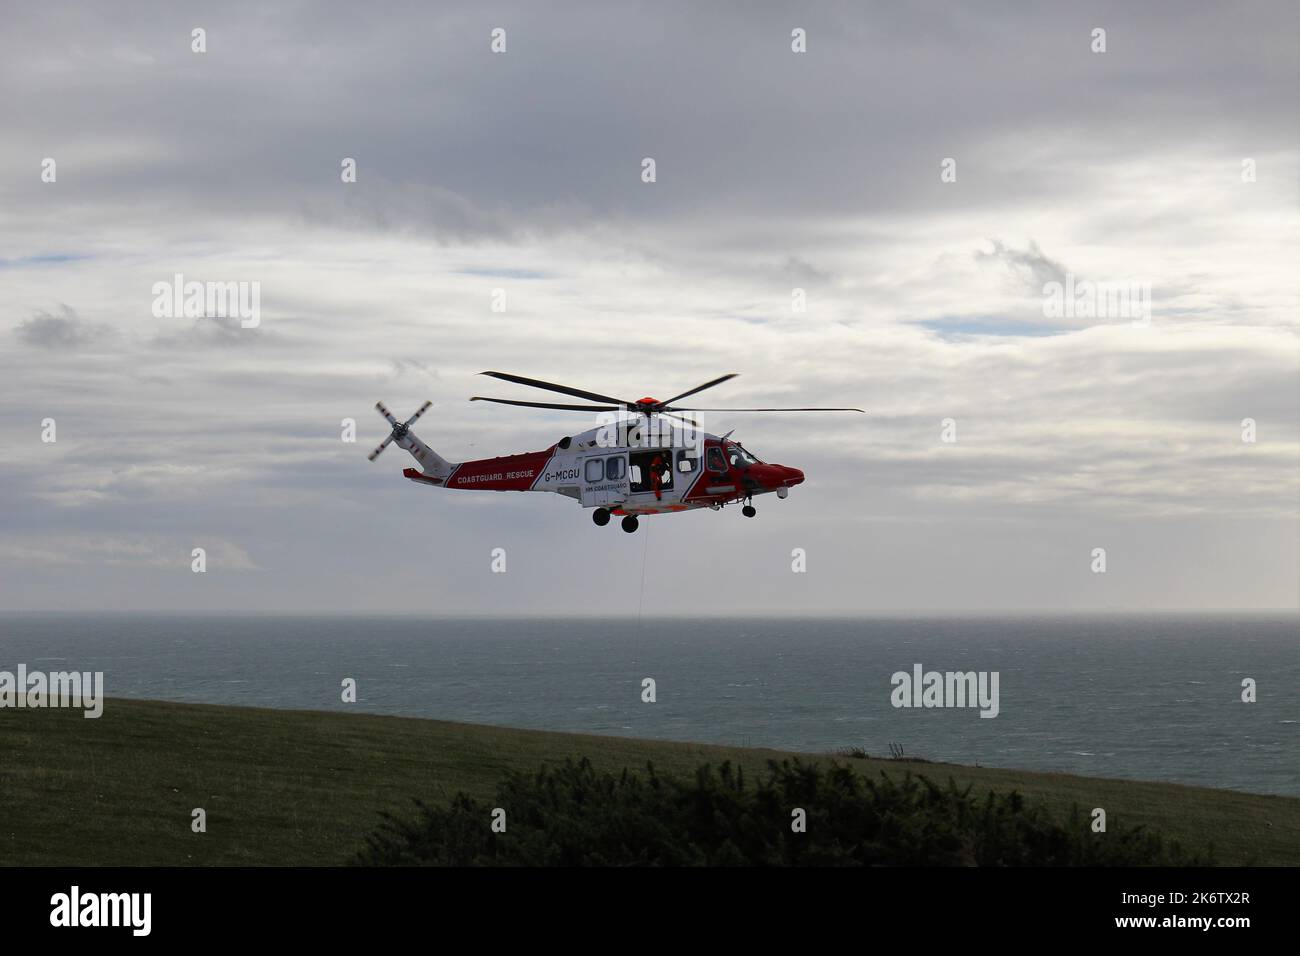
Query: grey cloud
{"x": 453, "y": 140}
{"x": 1027, "y": 266}
{"x": 217, "y": 331}
{"x": 385, "y": 206}
{"x": 800, "y": 270}
{"x": 405, "y": 366}
{"x": 62, "y": 332}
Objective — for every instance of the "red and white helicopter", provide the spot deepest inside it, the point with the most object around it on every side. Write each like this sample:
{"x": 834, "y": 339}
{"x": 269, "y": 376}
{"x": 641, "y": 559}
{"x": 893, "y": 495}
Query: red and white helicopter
{"x": 653, "y": 462}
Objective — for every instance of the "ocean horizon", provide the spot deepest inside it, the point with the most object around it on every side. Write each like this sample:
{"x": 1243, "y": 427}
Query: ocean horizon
{"x": 1146, "y": 696}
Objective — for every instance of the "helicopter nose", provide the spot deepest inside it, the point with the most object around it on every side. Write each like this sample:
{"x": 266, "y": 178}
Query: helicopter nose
{"x": 793, "y": 476}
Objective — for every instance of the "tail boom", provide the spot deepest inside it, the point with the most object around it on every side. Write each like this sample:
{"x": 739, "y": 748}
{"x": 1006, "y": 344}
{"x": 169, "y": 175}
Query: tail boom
{"x": 524, "y": 472}
{"x": 507, "y": 473}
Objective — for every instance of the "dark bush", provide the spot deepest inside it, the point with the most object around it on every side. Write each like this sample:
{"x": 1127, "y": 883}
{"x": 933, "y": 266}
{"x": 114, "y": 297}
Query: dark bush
{"x": 574, "y": 816}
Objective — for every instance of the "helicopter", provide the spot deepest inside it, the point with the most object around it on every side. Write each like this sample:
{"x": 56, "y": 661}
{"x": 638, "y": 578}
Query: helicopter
{"x": 646, "y": 458}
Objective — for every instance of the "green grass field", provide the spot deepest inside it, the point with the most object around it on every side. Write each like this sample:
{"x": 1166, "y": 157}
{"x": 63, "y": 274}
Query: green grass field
{"x": 297, "y": 787}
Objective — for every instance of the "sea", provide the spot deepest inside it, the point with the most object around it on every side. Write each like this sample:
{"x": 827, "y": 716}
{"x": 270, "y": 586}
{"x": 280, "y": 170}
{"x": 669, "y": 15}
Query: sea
{"x": 1145, "y": 697}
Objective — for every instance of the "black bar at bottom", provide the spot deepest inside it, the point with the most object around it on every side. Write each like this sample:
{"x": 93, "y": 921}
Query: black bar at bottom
{"x": 305, "y": 905}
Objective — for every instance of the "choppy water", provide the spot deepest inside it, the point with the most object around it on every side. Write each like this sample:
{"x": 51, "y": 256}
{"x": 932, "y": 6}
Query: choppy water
{"x": 1147, "y": 697}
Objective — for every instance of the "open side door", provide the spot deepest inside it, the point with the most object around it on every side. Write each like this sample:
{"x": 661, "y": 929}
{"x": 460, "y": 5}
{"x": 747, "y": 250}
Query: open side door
{"x": 641, "y": 472}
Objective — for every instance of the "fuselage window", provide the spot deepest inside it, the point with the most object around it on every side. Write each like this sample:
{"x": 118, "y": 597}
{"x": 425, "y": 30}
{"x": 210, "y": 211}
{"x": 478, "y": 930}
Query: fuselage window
{"x": 615, "y": 468}
{"x": 595, "y": 469}
{"x": 716, "y": 461}
{"x": 687, "y": 461}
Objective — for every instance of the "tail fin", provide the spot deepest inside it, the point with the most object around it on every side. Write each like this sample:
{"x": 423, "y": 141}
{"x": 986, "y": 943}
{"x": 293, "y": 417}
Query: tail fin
{"x": 431, "y": 463}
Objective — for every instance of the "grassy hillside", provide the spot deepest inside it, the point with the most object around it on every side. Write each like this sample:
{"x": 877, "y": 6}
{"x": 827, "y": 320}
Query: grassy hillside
{"x": 296, "y": 787}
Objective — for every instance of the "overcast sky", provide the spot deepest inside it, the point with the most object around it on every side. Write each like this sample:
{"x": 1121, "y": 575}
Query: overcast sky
{"x": 775, "y": 170}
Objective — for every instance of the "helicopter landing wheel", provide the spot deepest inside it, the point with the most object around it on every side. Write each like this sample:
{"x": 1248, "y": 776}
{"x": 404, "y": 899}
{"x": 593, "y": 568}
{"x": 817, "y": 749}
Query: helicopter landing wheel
{"x": 601, "y": 517}
{"x": 749, "y": 511}
{"x": 630, "y": 523}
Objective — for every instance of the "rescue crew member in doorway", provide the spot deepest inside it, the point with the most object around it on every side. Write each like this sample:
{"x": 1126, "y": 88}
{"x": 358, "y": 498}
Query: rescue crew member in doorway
{"x": 657, "y": 471}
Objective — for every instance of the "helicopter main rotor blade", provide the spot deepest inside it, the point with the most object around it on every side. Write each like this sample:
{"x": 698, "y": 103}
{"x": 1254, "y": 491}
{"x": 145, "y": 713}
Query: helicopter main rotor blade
{"x": 863, "y": 411}
{"x": 699, "y": 388}
{"x": 567, "y": 408}
{"x": 562, "y": 389}
{"x": 681, "y": 418}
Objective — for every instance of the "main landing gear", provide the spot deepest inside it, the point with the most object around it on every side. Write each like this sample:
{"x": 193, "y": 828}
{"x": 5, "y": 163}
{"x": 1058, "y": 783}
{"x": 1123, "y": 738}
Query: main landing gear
{"x": 601, "y": 516}
{"x": 749, "y": 511}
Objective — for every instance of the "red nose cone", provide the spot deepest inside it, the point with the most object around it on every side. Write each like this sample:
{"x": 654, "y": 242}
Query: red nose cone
{"x": 793, "y": 476}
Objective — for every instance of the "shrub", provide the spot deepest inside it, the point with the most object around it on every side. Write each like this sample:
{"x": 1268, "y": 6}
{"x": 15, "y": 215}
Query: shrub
{"x": 572, "y": 815}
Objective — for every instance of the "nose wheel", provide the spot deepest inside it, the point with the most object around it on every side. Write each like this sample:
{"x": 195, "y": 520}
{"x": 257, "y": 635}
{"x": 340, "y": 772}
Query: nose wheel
{"x": 630, "y": 523}
{"x": 749, "y": 511}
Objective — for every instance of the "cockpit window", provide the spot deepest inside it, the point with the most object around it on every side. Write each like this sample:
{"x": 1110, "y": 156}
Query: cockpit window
{"x": 739, "y": 457}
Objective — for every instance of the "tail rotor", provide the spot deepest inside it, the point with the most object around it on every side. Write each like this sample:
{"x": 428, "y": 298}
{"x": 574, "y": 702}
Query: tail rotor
{"x": 400, "y": 429}
{"x": 382, "y": 445}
